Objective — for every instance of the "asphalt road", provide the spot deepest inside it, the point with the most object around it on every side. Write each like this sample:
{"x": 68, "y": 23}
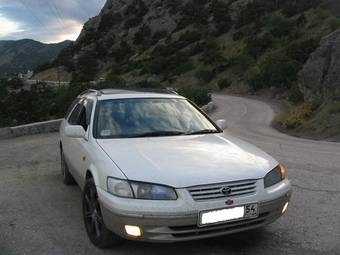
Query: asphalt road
{"x": 39, "y": 215}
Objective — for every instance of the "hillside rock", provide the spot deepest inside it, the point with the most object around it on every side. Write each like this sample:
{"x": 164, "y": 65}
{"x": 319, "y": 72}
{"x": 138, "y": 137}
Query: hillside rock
{"x": 320, "y": 77}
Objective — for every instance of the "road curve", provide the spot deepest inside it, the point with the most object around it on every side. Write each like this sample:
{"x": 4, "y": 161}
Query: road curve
{"x": 312, "y": 221}
{"x": 39, "y": 215}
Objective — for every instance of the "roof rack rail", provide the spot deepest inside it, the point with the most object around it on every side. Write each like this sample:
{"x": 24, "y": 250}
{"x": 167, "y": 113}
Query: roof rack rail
{"x": 151, "y": 90}
{"x": 88, "y": 91}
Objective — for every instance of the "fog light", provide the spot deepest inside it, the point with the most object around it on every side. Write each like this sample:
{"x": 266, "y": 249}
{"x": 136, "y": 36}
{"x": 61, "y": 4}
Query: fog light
{"x": 133, "y": 230}
{"x": 285, "y": 207}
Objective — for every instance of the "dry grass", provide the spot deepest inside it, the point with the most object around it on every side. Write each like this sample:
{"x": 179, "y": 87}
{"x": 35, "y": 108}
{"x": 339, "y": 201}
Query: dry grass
{"x": 295, "y": 116}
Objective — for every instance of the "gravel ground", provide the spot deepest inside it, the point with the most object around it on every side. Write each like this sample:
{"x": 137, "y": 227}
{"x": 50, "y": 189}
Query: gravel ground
{"x": 39, "y": 215}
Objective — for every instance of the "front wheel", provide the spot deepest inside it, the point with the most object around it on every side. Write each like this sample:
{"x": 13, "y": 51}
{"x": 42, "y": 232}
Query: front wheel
{"x": 99, "y": 235}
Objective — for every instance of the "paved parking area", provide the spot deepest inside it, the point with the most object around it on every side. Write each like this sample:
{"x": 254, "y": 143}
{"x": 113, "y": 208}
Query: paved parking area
{"x": 39, "y": 215}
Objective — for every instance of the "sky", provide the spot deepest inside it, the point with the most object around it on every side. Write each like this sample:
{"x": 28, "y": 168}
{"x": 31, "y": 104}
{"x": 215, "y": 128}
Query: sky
{"x": 48, "y": 21}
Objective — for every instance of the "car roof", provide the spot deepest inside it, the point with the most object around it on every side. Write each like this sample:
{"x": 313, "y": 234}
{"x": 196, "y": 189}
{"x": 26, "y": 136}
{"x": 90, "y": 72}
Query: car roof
{"x": 107, "y": 94}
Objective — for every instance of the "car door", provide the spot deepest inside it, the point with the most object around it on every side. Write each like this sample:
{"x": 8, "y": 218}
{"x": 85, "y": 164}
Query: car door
{"x": 76, "y": 149}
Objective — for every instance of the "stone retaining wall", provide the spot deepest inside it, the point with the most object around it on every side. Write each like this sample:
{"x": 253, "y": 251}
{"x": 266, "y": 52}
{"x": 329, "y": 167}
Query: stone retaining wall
{"x": 31, "y": 129}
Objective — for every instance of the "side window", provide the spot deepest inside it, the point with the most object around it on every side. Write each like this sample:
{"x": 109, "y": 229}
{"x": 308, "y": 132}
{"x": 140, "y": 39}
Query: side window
{"x": 74, "y": 117}
{"x": 81, "y": 115}
{"x": 82, "y": 118}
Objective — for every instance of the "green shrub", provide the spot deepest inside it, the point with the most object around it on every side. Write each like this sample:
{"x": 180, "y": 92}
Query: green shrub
{"x": 296, "y": 95}
{"x": 212, "y": 53}
{"x": 87, "y": 66}
{"x": 241, "y": 63}
{"x": 204, "y": 75}
{"x": 224, "y": 83}
{"x": 274, "y": 70}
{"x": 334, "y": 23}
{"x": 184, "y": 67}
{"x": 193, "y": 13}
{"x": 280, "y": 26}
{"x": 14, "y": 83}
{"x": 292, "y": 8}
{"x": 254, "y": 78}
{"x": 199, "y": 95}
{"x": 112, "y": 81}
{"x": 254, "y": 11}
{"x": 255, "y": 46}
{"x": 221, "y": 16}
{"x": 187, "y": 38}
{"x": 301, "y": 50}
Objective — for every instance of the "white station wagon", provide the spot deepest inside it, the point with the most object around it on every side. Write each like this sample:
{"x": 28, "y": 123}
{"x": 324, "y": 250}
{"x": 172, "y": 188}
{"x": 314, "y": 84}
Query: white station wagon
{"x": 154, "y": 167}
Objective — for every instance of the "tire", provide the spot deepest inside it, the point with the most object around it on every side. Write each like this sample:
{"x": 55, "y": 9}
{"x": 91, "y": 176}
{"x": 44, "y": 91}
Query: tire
{"x": 67, "y": 176}
{"x": 96, "y": 230}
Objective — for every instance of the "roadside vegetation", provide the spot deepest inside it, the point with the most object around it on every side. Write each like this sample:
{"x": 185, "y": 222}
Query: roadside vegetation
{"x": 40, "y": 102}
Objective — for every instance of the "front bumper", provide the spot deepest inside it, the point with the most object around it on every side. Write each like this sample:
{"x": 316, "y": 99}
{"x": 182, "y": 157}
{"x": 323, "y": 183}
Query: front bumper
{"x": 167, "y": 223}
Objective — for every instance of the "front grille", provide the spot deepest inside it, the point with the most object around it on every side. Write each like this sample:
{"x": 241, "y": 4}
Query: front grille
{"x": 214, "y": 191}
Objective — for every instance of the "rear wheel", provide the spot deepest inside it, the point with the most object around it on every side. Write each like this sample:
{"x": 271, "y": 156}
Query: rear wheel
{"x": 99, "y": 235}
{"x": 67, "y": 176}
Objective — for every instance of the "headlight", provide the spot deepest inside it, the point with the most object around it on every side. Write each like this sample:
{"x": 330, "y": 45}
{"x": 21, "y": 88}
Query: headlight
{"x": 153, "y": 191}
{"x": 140, "y": 190}
{"x": 120, "y": 188}
{"x": 274, "y": 176}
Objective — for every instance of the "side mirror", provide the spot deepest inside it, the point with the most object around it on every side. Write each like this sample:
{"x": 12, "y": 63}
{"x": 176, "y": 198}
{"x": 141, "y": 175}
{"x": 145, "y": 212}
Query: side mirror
{"x": 75, "y": 131}
{"x": 222, "y": 124}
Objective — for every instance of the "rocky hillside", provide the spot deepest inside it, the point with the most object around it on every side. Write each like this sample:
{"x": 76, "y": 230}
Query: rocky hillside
{"x": 250, "y": 44}
{"x": 23, "y": 55}
{"x": 320, "y": 76}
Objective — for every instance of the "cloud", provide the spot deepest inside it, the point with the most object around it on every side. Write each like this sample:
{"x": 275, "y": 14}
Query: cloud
{"x": 9, "y": 27}
{"x": 46, "y": 21}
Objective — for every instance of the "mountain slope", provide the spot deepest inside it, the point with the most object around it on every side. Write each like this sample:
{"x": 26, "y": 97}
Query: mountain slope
{"x": 26, "y": 54}
{"x": 243, "y": 43}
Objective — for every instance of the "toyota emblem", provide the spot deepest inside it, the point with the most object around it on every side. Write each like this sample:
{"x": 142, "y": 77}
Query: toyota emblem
{"x": 226, "y": 191}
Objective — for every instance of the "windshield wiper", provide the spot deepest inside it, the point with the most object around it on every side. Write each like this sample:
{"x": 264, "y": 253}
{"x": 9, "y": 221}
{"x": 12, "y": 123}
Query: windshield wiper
{"x": 158, "y": 133}
{"x": 203, "y": 131}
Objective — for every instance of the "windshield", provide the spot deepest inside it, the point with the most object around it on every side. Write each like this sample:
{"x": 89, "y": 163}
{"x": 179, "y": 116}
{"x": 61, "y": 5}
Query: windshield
{"x": 146, "y": 117}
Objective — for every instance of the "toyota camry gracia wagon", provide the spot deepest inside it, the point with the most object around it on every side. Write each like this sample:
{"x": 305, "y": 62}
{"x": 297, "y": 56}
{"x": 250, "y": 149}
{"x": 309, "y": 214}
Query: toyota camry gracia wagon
{"x": 154, "y": 167}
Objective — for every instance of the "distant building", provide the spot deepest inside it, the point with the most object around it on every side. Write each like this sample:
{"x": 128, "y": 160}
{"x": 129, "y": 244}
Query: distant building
{"x": 26, "y": 76}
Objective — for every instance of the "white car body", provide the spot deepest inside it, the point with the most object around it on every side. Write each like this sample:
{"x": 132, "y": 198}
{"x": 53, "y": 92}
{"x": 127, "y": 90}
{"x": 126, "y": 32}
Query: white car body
{"x": 181, "y": 162}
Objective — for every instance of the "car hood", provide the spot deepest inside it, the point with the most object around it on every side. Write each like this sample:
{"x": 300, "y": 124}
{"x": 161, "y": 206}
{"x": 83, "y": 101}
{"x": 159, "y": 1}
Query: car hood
{"x": 184, "y": 161}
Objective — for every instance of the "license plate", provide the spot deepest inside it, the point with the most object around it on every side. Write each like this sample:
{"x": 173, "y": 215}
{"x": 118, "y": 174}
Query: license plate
{"x": 228, "y": 214}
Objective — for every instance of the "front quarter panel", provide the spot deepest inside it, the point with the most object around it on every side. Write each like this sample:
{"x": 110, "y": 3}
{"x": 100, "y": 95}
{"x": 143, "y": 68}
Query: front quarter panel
{"x": 100, "y": 165}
